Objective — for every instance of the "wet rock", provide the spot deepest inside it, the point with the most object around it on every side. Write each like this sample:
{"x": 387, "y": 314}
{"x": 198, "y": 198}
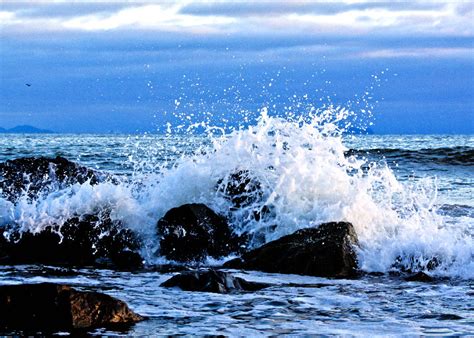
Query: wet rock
{"x": 90, "y": 240}
{"x": 411, "y": 264}
{"x": 211, "y": 281}
{"x": 244, "y": 190}
{"x": 241, "y": 188}
{"x": 192, "y": 232}
{"x": 36, "y": 175}
{"x": 419, "y": 277}
{"x": 326, "y": 251}
{"x": 51, "y": 307}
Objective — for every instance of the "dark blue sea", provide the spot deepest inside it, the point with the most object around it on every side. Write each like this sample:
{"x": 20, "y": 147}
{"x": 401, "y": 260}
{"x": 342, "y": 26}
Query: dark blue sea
{"x": 409, "y": 197}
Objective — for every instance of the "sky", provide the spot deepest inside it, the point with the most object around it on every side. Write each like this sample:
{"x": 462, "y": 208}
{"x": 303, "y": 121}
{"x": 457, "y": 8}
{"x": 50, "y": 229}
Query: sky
{"x": 127, "y": 67}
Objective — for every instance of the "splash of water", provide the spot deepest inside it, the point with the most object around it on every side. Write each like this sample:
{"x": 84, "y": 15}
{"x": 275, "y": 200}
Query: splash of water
{"x": 303, "y": 179}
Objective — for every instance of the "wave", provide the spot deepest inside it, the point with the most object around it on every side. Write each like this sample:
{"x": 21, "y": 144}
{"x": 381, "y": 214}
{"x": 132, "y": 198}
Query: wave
{"x": 456, "y": 156}
{"x": 305, "y": 179}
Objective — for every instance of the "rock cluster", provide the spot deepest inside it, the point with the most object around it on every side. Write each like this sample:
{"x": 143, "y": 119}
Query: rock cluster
{"x": 87, "y": 240}
{"x": 187, "y": 234}
{"x": 82, "y": 240}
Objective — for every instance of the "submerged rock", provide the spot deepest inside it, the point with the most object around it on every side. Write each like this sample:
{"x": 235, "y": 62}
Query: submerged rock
{"x": 326, "y": 251}
{"x": 81, "y": 241}
{"x": 211, "y": 281}
{"x": 419, "y": 277}
{"x": 34, "y": 175}
{"x": 52, "y": 307}
{"x": 192, "y": 232}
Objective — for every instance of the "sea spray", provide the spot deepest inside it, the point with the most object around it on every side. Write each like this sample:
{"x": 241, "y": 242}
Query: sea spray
{"x": 304, "y": 178}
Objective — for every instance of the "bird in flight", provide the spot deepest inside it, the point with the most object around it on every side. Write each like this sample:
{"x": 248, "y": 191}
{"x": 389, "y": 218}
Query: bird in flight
{"x": 28, "y": 84}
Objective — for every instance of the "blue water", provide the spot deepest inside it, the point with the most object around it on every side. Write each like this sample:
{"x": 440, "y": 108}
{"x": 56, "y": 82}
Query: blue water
{"x": 431, "y": 212}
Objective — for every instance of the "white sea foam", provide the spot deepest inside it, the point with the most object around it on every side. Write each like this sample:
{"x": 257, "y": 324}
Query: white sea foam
{"x": 305, "y": 179}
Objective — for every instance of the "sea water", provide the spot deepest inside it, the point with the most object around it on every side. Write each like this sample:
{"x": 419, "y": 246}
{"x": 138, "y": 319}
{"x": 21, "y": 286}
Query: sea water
{"x": 409, "y": 198}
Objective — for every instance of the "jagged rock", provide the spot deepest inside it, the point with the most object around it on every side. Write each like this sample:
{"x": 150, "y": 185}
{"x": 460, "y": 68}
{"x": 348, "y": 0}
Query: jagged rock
{"x": 192, "y": 232}
{"x": 211, "y": 281}
{"x": 89, "y": 240}
{"x": 50, "y": 307}
{"x": 326, "y": 251}
{"x": 241, "y": 188}
{"x": 35, "y": 175}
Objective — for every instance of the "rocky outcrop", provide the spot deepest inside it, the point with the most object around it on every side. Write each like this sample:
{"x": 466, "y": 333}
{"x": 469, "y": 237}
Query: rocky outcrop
{"x": 34, "y": 175}
{"x": 193, "y": 232}
{"x": 211, "y": 281}
{"x": 326, "y": 251}
{"x": 89, "y": 240}
{"x": 50, "y": 307}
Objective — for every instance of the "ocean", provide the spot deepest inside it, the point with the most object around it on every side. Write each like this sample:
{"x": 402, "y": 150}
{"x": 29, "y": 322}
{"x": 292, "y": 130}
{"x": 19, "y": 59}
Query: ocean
{"x": 409, "y": 198}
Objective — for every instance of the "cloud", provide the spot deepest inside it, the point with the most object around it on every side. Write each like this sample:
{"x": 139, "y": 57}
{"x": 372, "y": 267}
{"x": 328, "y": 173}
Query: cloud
{"x": 265, "y": 8}
{"x": 251, "y": 18}
{"x": 417, "y": 53}
{"x": 6, "y": 16}
{"x": 159, "y": 17}
{"x": 275, "y": 29}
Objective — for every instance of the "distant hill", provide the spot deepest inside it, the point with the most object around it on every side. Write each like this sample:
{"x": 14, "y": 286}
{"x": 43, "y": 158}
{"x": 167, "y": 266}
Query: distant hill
{"x": 25, "y": 129}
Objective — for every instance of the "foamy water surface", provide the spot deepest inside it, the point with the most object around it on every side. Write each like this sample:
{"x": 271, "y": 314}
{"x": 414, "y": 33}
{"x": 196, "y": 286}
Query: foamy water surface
{"x": 408, "y": 197}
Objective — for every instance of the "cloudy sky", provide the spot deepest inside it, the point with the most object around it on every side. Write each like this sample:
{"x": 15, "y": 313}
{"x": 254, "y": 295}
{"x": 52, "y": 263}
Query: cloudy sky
{"x": 128, "y": 66}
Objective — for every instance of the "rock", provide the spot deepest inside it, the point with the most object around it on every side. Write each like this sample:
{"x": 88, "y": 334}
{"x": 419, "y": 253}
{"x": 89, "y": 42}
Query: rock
{"x": 52, "y": 307}
{"x": 411, "y": 264}
{"x": 192, "y": 232}
{"x": 244, "y": 191}
{"x": 326, "y": 251}
{"x": 240, "y": 188}
{"x": 419, "y": 277}
{"x": 90, "y": 240}
{"x": 211, "y": 281}
{"x": 42, "y": 174}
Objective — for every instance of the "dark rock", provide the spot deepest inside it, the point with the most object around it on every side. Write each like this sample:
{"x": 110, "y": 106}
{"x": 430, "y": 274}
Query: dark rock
{"x": 241, "y": 188}
{"x": 52, "y": 307}
{"x": 326, "y": 251}
{"x": 413, "y": 264}
{"x": 375, "y": 273}
{"x": 90, "y": 240}
{"x": 211, "y": 281}
{"x": 41, "y": 175}
{"x": 169, "y": 268}
{"x": 192, "y": 232}
{"x": 419, "y": 277}
{"x": 244, "y": 190}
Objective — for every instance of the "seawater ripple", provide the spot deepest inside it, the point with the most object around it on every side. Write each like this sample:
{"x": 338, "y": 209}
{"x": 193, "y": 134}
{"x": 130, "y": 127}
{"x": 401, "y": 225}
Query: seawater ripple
{"x": 458, "y": 155}
{"x": 295, "y": 305}
{"x": 157, "y": 172}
